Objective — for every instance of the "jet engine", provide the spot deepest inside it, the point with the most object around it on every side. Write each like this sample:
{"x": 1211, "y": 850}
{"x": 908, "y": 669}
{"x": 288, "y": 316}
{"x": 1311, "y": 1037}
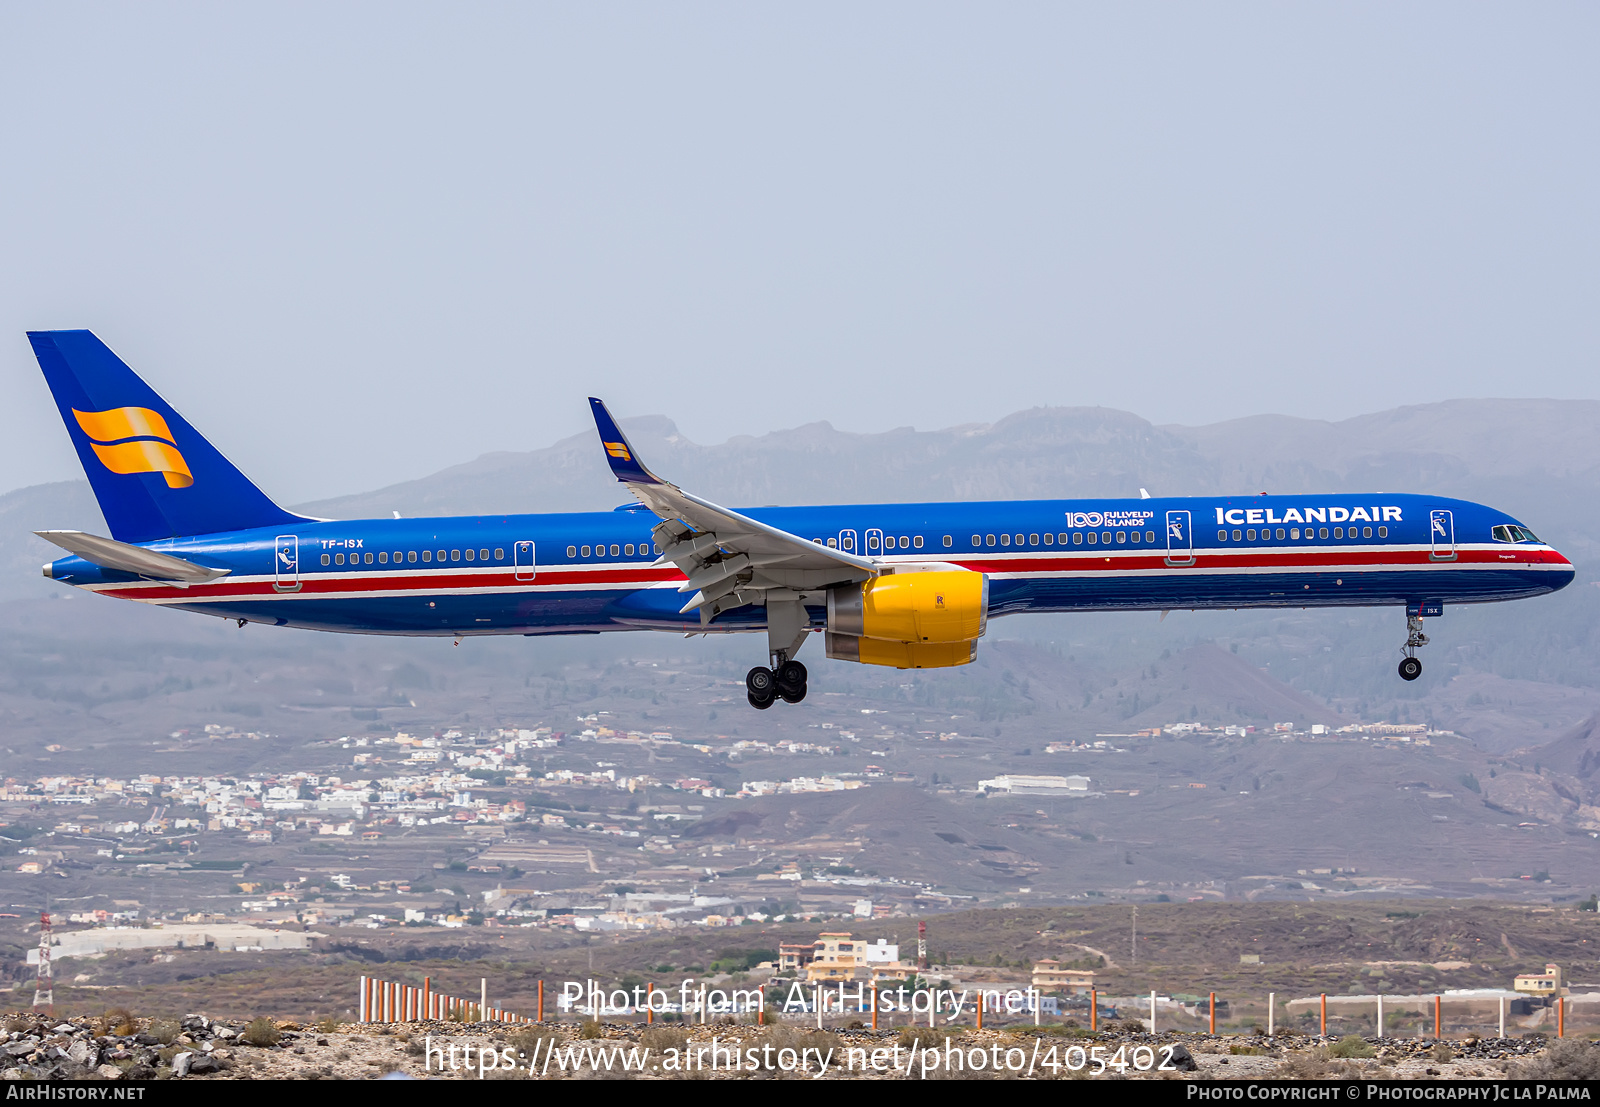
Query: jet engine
{"x": 910, "y": 619}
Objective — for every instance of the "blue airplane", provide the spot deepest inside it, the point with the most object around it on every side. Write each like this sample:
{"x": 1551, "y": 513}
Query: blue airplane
{"x": 911, "y": 586}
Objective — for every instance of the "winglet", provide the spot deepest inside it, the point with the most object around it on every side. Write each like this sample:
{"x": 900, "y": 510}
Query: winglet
{"x": 625, "y": 464}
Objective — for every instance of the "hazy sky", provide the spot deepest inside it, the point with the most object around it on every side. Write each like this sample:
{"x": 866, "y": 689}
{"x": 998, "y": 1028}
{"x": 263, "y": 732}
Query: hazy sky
{"x": 357, "y": 243}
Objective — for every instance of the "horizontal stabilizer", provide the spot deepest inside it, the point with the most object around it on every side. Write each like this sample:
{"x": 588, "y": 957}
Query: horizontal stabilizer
{"x": 110, "y": 554}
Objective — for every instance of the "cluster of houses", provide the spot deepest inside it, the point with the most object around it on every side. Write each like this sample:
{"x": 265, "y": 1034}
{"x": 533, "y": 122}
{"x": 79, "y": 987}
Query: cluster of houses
{"x": 1412, "y": 733}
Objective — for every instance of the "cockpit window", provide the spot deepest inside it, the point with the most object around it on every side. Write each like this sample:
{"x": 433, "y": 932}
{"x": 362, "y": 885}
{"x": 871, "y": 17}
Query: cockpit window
{"x": 1509, "y": 533}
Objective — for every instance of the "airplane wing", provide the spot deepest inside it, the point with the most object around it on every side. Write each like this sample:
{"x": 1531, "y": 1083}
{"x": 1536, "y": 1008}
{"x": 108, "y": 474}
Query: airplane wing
{"x": 730, "y": 559}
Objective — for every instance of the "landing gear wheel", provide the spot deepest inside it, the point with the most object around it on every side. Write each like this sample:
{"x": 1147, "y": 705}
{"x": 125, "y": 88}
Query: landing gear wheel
{"x": 757, "y": 703}
{"x": 1410, "y": 668}
{"x": 791, "y": 677}
{"x": 760, "y": 683}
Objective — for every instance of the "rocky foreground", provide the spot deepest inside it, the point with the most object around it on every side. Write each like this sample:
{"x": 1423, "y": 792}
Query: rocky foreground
{"x": 119, "y": 1047}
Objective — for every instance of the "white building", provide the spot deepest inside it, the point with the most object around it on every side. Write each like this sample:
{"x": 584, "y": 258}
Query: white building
{"x": 1037, "y": 785}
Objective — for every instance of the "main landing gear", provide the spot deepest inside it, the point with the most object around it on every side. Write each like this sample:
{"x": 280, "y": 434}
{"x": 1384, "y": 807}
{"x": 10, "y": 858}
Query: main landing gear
{"x": 787, "y": 627}
{"x": 787, "y": 682}
{"x": 1410, "y": 665}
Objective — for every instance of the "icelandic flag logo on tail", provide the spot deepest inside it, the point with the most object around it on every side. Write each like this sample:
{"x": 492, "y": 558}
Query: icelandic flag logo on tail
{"x": 135, "y": 440}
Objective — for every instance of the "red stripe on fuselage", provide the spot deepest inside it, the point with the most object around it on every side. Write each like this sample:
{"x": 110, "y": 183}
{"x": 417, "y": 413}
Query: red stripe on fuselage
{"x": 1035, "y": 562}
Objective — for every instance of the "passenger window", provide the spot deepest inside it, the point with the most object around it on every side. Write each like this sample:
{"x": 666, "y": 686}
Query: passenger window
{"x": 399, "y": 556}
{"x": 1005, "y": 540}
{"x": 628, "y": 549}
{"x": 1250, "y": 535}
{"x": 444, "y": 555}
{"x": 585, "y": 551}
{"x": 1136, "y": 536}
{"x": 615, "y": 550}
{"x": 1077, "y": 538}
{"x": 1222, "y": 536}
{"x": 338, "y": 559}
{"x": 411, "y": 555}
{"x": 833, "y": 543}
{"x": 655, "y": 547}
{"x": 499, "y": 554}
{"x": 1366, "y": 532}
{"x": 1338, "y": 532}
{"x": 1062, "y": 538}
{"x": 326, "y": 559}
{"x": 367, "y": 558}
{"x": 469, "y": 555}
{"x": 427, "y": 555}
{"x": 1322, "y": 532}
{"x": 1019, "y": 539}
{"x": 1237, "y": 536}
{"x": 455, "y": 555}
{"x": 1049, "y": 539}
{"x": 572, "y": 551}
{"x": 1149, "y": 536}
{"x": 383, "y": 557}
{"x": 948, "y": 541}
{"x": 1093, "y": 538}
{"x": 917, "y": 542}
{"x": 1383, "y": 532}
{"x": 989, "y": 540}
{"x": 1280, "y": 534}
{"x": 1033, "y": 539}
{"x": 849, "y": 541}
{"x": 1294, "y": 532}
{"x": 1122, "y": 538}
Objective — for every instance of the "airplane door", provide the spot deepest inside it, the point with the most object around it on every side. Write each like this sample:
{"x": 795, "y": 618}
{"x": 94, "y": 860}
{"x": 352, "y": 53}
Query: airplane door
{"x": 874, "y": 542}
{"x": 1180, "y": 539}
{"x": 847, "y": 541}
{"x": 286, "y": 563}
{"x": 523, "y": 557}
{"x": 1442, "y": 526}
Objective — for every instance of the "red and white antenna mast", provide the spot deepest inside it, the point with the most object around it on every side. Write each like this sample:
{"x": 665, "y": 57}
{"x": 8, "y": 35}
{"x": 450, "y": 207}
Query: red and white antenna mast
{"x": 43, "y": 996}
{"x": 922, "y": 944}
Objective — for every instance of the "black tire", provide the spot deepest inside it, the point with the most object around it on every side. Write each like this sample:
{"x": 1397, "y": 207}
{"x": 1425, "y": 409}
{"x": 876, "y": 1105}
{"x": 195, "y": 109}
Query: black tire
{"x": 757, "y": 702}
{"x": 792, "y": 695}
{"x": 791, "y": 674}
{"x": 760, "y": 683}
{"x": 1410, "y": 668}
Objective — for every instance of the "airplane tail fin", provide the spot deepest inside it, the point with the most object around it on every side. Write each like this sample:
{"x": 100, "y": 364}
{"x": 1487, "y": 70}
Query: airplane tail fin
{"x": 153, "y": 473}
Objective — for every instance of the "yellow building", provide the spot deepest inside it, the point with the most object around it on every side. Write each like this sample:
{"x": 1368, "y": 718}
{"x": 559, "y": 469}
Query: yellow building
{"x": 837, "y": 958}
{"x": 1547, "y": 983}
{"x": 1052, "y": 975}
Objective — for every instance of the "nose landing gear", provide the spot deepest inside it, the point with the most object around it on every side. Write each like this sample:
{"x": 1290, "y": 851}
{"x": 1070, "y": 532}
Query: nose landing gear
{"x": 1410, "y": 665}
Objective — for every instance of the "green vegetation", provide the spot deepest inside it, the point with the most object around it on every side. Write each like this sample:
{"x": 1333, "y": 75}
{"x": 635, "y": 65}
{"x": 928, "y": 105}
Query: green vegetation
{"x": 1351, "y": 1045}
{"x": 261, "y": 1032}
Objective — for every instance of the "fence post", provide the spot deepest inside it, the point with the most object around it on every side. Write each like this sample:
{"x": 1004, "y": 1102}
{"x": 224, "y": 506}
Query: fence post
{"x": 1561, "y": 1016}
{"x": 541, "y": 1001}
{"x": 1438, "y": 1017}
{"x": 1213, "y": 1014}
{"x": 649, "y": 1011}
{"x": 1324, "y": 1014}
{"x": 980, "y": 1008}
{"x": 1152, "y": 1011}
{"x": 1380, "y": 1016}
{"x": 1272, "y": 1010}
{"x": 1502, "y": 1016}
{"x": 1094, "y": 1011}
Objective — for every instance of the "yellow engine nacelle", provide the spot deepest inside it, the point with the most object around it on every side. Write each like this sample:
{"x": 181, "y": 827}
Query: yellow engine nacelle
{"x": 909, "y": 620}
